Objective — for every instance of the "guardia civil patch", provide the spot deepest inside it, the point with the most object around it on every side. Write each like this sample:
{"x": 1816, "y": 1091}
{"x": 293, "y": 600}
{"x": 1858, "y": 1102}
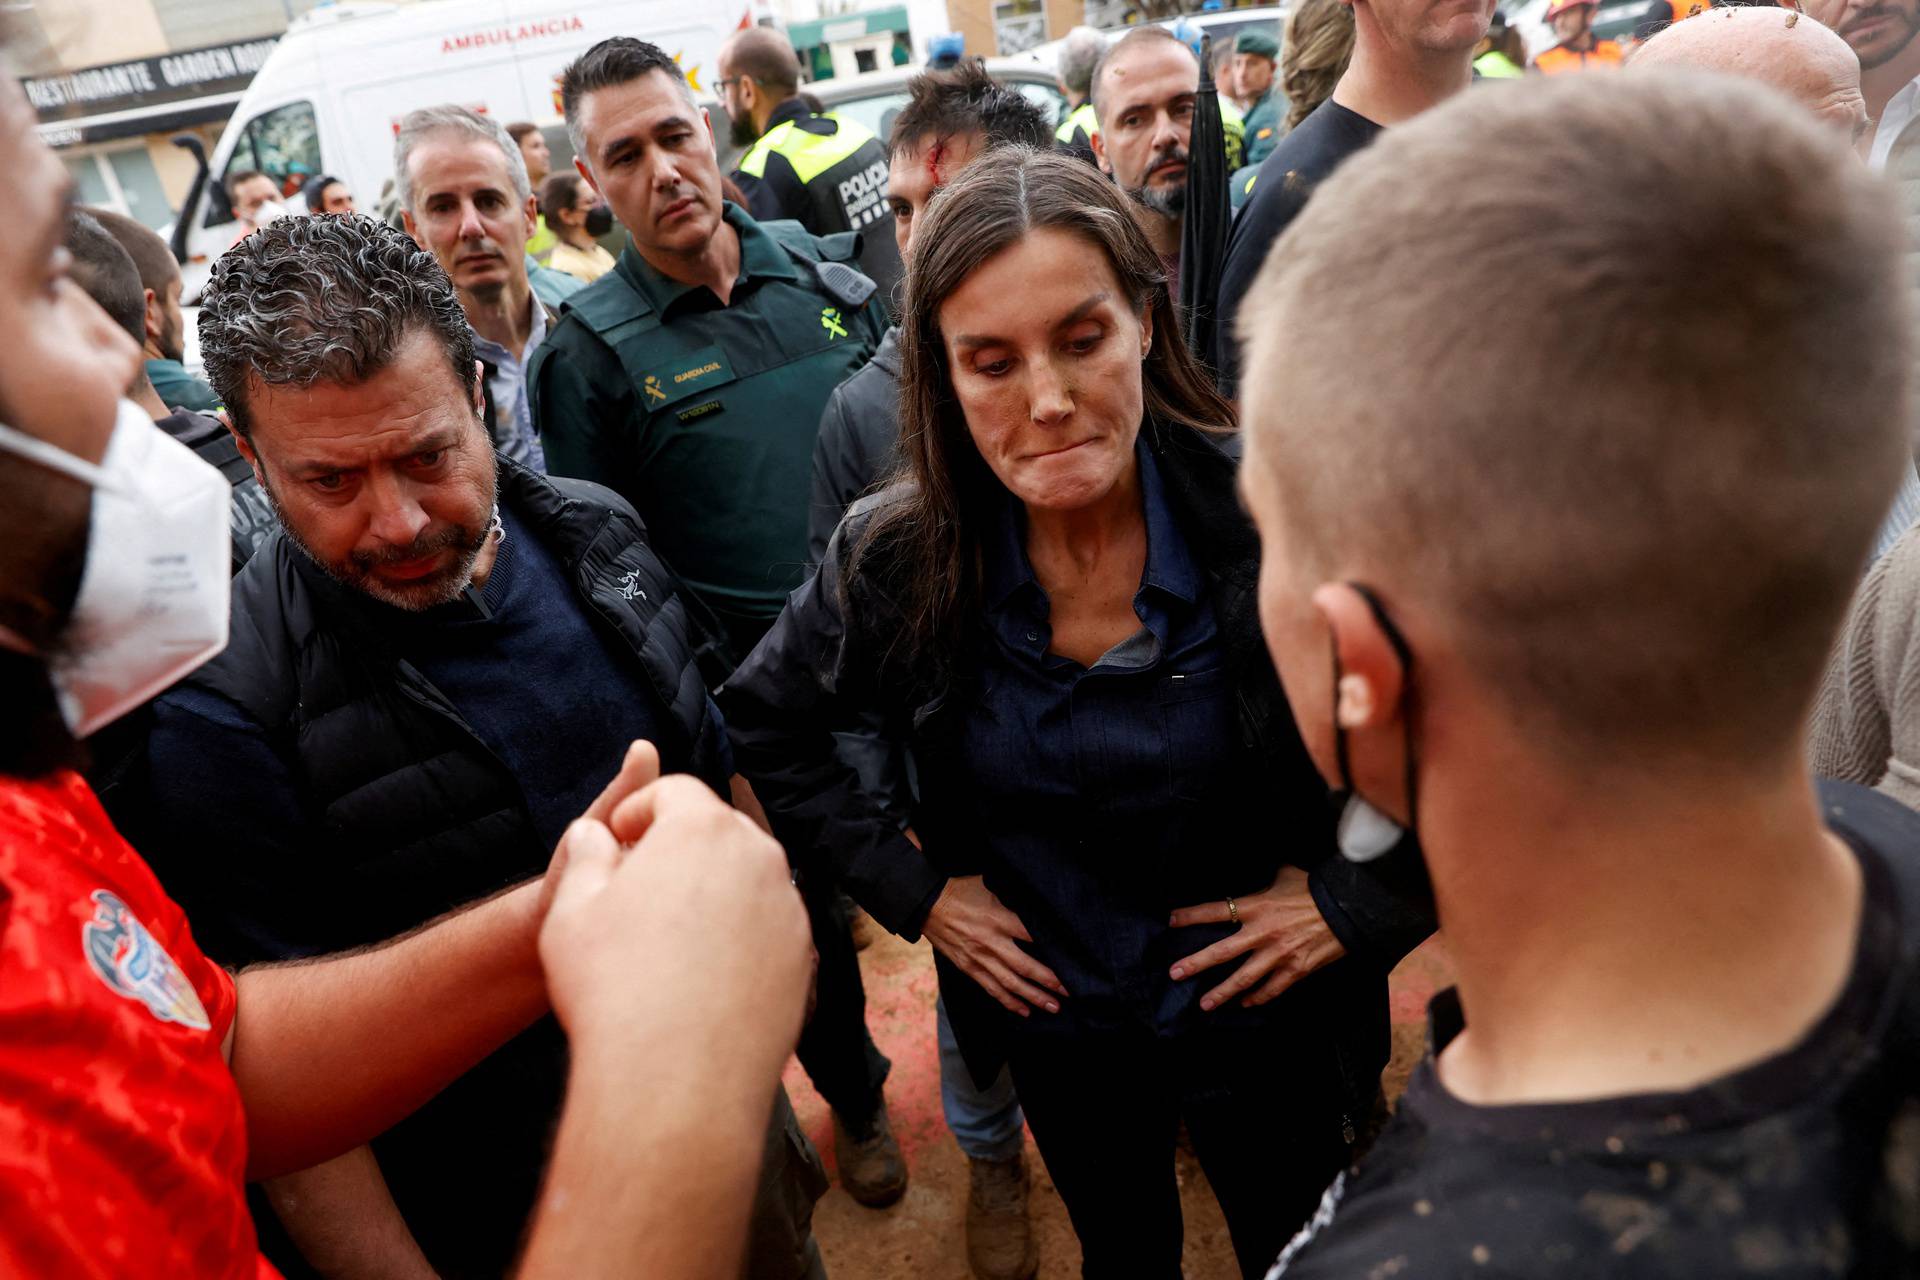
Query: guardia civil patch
{"x": 700, "y": 371}
{"x": 126, "y": 957}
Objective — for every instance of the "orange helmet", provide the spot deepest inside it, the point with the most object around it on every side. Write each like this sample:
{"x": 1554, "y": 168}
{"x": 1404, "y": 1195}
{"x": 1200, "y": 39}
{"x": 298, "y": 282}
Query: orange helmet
{"x": 1559, "y": 7}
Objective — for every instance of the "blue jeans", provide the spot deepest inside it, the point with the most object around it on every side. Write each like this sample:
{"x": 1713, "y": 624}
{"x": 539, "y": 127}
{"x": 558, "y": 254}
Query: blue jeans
{"x": 986, "y": 1122}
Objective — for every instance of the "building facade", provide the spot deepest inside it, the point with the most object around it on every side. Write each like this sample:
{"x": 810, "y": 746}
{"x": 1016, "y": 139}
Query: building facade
{"x": 114, "y": 81}
{"x": 1003, "y": 27}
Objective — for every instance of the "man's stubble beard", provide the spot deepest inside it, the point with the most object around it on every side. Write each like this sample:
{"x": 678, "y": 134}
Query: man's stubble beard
{"x": 173, "y": 343}
{"x": 417, "y": 597}
{"x": 1913, "y": 29}
{"x": 50, "y": 524}
{"x": 1168, "y": 202}
{"x": 740, "y": 129}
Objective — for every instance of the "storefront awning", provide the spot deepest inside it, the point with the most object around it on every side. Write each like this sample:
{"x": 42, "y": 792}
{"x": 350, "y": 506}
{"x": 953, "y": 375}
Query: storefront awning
{"x": 144, "y": 95}
{"x": 851, "y": 26}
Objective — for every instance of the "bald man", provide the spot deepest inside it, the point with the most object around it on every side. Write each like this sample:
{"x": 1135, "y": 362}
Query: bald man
{"x": 827, "y": 174}
{"x": 1795, "y": 54}
{"x": 1810, "y": 63}
{"x": 1577, "y": 664}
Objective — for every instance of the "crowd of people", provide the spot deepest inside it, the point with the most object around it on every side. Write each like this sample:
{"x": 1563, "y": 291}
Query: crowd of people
{"x": 449, "y": 754}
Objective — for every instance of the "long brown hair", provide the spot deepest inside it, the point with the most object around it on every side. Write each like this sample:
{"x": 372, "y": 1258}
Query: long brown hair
{"x": 922, "y": 546}
{"x": 1319, "y": 47}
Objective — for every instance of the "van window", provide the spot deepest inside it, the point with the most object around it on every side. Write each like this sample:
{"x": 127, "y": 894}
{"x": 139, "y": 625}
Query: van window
{"x": 283, "y": 143}
{"x": 1044, "y": 96}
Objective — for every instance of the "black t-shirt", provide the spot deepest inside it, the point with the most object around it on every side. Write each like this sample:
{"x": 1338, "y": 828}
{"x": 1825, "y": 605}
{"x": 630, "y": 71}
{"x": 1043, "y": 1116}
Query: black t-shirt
{"x": 1302, "y": 160}
{"x": 1806, "y": 1164}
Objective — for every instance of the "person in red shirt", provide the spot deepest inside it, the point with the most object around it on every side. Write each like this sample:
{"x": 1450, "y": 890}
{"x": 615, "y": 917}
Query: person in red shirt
{"x": 140, "y": 1084}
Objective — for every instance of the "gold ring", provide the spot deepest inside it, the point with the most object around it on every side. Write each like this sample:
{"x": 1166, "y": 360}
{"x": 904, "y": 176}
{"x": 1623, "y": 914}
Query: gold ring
{"x": 1233, "y": 911}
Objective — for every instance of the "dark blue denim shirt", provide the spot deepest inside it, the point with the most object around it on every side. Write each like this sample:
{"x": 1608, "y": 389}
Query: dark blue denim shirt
{"x": 1109, "y": 795}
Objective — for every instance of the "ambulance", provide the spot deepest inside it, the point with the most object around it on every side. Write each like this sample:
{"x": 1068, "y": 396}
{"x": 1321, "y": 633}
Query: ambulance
{"x": 331, "y": 95}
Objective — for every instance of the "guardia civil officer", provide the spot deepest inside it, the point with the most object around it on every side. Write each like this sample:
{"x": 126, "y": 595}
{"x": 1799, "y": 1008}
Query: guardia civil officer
{"x": 691, "y": 379}
{"x": 1256, "y": 56}
{"x": 825, "y": 173}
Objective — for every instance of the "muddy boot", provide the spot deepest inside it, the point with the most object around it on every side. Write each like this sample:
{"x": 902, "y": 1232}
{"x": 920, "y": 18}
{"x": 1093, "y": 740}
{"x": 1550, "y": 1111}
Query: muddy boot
{"x": 999, "y": 1237}
{"x": 871, "y": 1166}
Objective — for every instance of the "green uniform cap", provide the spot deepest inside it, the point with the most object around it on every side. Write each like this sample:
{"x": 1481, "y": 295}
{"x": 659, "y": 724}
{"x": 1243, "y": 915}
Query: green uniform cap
{"x": 1257, "y": 41}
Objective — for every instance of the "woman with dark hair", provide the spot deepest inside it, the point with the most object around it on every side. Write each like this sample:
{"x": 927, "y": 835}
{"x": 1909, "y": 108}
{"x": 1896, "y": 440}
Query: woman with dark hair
{"x": 577, "y": 217}
{"x": 1053, "y": 609}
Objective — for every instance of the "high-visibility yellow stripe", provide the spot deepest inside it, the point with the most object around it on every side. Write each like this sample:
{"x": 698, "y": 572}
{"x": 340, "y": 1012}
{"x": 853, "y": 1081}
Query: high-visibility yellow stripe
{"x": 810, "y": 154}
{"x": 1083, "y": 119}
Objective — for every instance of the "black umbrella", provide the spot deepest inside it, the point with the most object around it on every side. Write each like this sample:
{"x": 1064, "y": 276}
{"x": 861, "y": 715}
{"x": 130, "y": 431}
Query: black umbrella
{"x": 1203, "y": 235}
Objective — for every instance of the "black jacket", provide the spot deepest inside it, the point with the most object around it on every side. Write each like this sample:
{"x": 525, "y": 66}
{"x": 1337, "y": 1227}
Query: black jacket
{"x": 858, "y": 443}
{"x": 829, "y": 662}
{"x": 252, "y": 517}
{"x": 405, "y": 814}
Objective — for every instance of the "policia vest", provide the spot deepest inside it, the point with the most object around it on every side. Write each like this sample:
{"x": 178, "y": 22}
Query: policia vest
{"x": 705, "y": 417}
{"x": 830, "y": 176}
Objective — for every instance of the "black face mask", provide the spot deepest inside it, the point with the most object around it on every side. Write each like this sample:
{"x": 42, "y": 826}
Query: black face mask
{"x": 599, "y": 220}
{"x": 1362, "y": 830}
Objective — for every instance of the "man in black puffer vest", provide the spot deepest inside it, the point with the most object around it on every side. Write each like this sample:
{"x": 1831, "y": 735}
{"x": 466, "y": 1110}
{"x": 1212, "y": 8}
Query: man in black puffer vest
{"x": 434, "y": 658}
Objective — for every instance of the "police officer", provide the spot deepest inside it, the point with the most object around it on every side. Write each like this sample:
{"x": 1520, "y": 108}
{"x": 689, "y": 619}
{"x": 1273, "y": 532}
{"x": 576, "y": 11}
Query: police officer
{"x": 1255, "y": 55}
{"x": 691, "y": 379}
{"x": 1079, "y": 54}
{"x": 825, "y": 173}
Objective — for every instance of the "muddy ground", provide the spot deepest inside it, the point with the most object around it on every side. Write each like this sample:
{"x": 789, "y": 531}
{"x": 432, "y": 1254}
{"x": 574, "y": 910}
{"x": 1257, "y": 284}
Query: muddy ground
{"x": 923, "y": 1237}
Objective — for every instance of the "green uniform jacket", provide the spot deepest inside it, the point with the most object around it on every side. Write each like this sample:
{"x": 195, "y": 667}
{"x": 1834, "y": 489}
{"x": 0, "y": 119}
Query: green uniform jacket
{"x": 704, "y": 416}
{"x": 179, "y": 389}
{"x": 1265, "y": 120}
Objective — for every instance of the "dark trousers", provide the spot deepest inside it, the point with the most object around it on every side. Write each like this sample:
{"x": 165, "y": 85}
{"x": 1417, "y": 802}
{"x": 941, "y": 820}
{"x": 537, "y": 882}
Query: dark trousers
{"x": 840, "y": 1057}
{"x": 780, "y": 1244}
{"x": 1264, "y": 1117}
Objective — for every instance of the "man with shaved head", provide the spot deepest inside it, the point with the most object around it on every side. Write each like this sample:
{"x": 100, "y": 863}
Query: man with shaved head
{"x": 826, "y": 173}
{"x": 1795, "y": 54}
{"x": 1575, "y": 609}
{"x": 1808, "y": 62}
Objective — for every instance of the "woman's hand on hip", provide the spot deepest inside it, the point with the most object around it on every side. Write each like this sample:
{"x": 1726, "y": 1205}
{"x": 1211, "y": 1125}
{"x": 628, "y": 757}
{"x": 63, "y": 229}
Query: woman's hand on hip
{"x": 1282, "y": 934}
{"x": 971, "y": 928}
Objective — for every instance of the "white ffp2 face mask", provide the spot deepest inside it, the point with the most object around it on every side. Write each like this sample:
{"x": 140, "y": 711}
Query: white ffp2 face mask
{"x": 154, "y": 592}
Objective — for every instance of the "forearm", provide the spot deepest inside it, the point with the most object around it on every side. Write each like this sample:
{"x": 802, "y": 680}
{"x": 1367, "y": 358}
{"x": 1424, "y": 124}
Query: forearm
{"x": 1379, "y": 910}
{"x": 655, "y": 1165}
{"x": 344, "y": 1221}
{"x": 330, "y": 1053}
